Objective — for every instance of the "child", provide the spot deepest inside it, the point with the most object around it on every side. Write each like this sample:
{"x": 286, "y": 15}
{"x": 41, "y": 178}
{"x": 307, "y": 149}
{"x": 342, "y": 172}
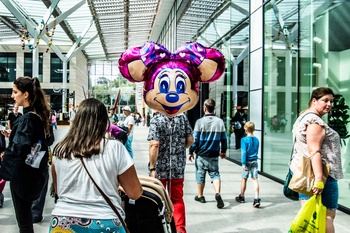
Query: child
{"x": 249, "y": 153}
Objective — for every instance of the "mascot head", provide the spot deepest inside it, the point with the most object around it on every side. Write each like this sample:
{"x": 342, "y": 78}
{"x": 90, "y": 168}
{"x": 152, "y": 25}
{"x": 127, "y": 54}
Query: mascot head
{"x": 171, "y": 79}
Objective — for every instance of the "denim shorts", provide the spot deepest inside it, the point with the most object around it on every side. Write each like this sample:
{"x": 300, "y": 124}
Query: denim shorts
{"x": 330, "y": 194}
{"x": 207, "y": 164}
{"x": 252, "y": 170}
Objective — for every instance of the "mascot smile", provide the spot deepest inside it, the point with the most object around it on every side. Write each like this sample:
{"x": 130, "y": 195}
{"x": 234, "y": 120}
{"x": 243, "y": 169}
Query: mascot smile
{"x": 171, "y": 79}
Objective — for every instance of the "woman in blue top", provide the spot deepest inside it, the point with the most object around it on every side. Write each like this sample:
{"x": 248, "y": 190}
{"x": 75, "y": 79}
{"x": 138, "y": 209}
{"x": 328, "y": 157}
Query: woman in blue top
{"x": 249, "y": 153}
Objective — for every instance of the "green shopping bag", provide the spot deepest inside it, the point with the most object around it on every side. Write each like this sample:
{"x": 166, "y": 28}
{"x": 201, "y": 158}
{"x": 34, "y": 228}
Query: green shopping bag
{"x": 311, "y": 218}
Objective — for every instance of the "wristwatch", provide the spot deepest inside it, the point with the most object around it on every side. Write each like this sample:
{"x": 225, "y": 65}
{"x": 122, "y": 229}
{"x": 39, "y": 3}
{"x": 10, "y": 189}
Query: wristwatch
{"x": 152, "y": 169}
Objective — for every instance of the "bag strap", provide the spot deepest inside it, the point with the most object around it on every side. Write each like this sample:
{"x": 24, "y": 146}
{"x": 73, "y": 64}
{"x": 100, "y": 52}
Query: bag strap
{"x": 291, "y": 154}
{"x": 106, "y": 198}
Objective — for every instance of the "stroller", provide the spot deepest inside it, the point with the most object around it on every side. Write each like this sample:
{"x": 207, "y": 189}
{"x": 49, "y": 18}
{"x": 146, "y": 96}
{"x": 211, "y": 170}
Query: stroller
{"x": 152, "y": 212}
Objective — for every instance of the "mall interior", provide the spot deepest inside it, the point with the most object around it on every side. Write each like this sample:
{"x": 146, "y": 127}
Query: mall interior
{"x": 277, "y": 52}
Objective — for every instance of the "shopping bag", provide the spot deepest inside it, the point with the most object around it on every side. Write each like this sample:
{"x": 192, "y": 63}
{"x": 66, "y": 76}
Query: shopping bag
{"x": 311, "y": 217}
{"x": 303, "y": 178}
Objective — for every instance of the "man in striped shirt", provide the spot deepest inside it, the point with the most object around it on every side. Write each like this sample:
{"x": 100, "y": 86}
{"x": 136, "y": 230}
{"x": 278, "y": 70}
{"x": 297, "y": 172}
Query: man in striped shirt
{"x": 210, "y": 142}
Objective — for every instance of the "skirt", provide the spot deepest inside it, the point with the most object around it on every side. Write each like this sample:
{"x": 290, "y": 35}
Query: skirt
{"x": 63, "y": 224}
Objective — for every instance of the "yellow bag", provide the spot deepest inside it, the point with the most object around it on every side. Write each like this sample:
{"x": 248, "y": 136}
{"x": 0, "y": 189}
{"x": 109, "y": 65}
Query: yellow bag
{"x": 311, "y": 217}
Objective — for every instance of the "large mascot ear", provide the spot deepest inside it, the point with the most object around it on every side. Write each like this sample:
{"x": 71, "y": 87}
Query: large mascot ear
{"x": 209, "y": 61}
{"x": 131, "y": 66}
{"x": 135, "y": 61}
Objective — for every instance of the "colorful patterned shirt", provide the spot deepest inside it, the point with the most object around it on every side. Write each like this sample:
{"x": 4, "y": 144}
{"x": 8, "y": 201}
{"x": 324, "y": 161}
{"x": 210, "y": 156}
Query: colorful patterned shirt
{"x": 171, "y": 134}
{"x": 330, "y": 148}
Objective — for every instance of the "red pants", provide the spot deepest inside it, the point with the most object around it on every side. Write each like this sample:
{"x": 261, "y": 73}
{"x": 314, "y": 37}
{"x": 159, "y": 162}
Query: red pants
{"x": 175, "y": 189}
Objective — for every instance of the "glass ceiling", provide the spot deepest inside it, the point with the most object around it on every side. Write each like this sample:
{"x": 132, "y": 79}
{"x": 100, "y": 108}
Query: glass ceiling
{"x": 104, "y": 29}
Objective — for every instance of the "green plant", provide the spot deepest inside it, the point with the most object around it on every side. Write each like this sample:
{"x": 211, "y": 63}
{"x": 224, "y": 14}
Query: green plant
{"x": 338, "y": 117}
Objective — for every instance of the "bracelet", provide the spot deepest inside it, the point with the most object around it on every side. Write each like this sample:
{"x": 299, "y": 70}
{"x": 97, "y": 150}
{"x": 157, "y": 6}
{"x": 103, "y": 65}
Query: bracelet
{"x": 319, "y": 185}
{"x": 152, "y": 169}
{"x": 312, "y": 155}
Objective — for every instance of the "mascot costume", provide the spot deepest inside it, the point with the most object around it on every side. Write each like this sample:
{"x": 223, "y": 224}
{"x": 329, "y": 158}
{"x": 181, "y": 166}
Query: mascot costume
{"x": 171, "y": 79}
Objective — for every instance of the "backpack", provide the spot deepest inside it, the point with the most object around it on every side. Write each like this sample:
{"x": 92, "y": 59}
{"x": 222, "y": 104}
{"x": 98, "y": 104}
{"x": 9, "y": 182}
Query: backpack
{"x": 2, "y": 143}
{"x": 237, "y": 125}
{"x": 124, "y": 128}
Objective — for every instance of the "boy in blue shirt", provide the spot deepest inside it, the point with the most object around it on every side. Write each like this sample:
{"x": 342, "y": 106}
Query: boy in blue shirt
{"x": 249, "y": 153}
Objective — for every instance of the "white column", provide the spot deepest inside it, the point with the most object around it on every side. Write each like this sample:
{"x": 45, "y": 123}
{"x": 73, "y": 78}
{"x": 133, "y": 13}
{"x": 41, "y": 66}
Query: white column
{"x": 35, "y": 63}
{"x": 288, "y": 90}
{"x": 64, "y": 85}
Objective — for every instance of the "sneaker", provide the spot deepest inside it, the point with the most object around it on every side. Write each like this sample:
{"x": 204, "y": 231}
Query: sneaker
{"x": 1, "y": 199}
{"x": 199, "y": 199}
{"x": 240, "y": 199}
{"x": 256, "y": 203}
{"x": 220, "y": 203}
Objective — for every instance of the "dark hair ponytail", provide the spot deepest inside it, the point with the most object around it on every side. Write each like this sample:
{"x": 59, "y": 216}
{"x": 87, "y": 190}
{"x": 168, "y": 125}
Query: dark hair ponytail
{"x": 36, "y": 98}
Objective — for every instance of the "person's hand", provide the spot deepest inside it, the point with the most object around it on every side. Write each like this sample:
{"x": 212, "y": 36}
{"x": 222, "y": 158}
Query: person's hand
{"x": 153, "y": 174}
{"x": 245, "y": 168}
{"x": 6, "y": 132}
{"x": 222, "y": 155}
{"x": 2, "y": 154}
{"x": 190, "y": 157}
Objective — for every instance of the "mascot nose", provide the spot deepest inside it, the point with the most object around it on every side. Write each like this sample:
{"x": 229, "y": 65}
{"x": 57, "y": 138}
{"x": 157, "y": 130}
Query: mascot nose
{"x": 172, "y": 97}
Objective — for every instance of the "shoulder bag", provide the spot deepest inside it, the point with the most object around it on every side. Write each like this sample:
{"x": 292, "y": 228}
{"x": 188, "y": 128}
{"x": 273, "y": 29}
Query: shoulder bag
{"x": 106, "y": 198}
{"x": 289, "y": 193}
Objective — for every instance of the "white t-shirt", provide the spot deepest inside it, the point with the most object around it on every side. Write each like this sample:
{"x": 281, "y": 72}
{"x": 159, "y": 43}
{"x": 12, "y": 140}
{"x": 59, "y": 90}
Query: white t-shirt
{"x": 78, "y": 196}
{"x": 129, "y": 120}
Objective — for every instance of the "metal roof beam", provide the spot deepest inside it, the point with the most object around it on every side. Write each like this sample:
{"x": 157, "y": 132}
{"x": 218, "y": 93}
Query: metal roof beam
{"x": 224, "y": 6}
{"x": 97, "y": 24}
{"x": 31, "y": 25}
{"x": 280, "y": 20}
{"x": 205, "y": 39}
{"x": 81, "y": 47}
{"x": 56, "y": 13}
{"x": 244, "y": 53}
{"x": 77, "y": 42}
{"x": 50, "y": 11}
{"x": 126, "y": 23}
{"x": 63, "y": 16}
{"x": 10, "y": 25}
{"x": 239, "y": 9}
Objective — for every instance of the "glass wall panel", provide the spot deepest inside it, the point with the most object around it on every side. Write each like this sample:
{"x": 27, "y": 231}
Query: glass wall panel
{"x": 280, "y": 75}
{"x": 7, "y": 67}
{"x": 28, "y": 65}
{"x": 305, "y": 48}
{"x": 235, "y": 90}
{"x": 57, "y": 69}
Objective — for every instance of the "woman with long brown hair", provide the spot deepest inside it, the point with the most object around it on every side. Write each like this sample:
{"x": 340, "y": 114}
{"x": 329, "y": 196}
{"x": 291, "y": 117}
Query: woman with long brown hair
{"x": 80, "y": 207}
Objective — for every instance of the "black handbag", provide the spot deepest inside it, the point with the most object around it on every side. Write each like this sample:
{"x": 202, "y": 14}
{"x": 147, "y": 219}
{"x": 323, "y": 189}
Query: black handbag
{"x": 288, "y": 193}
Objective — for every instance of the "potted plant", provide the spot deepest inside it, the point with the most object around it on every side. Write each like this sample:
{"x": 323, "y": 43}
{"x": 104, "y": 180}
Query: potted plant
{"x": 338, "y": 117}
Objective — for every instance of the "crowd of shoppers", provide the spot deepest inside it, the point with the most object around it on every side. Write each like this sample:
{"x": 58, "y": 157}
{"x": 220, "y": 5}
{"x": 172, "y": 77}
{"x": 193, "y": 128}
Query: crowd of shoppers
{"x": 169, "y": 137}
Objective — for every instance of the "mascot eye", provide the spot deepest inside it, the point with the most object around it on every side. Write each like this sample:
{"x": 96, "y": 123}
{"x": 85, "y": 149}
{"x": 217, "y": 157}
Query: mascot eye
{"x": 180, "y": 85}
{"x": 164, "y": 84}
